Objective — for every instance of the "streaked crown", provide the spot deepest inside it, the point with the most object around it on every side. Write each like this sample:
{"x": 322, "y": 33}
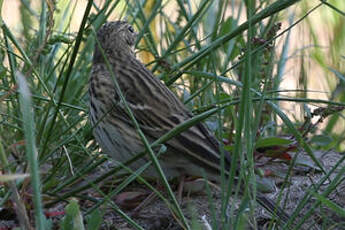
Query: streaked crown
{"x": 116, "y": 36}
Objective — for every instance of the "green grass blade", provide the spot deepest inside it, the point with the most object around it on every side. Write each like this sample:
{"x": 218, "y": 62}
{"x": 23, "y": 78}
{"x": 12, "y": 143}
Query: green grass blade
{"x": 30, "y": 146}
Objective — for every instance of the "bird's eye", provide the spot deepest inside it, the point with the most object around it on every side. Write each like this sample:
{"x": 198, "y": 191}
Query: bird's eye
{"x": 131, "y": 29}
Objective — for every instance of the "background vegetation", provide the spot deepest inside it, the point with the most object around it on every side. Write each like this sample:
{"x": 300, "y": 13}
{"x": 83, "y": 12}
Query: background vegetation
{"x": 253, "y": 69}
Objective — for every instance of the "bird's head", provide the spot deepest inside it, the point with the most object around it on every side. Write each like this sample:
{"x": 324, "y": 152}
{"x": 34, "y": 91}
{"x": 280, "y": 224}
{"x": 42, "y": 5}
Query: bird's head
{"x": 116, "y": 36}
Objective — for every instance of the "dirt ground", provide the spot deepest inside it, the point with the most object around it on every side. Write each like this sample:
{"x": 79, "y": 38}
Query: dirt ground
{"x": 156, "y": 215}
{"x": 196, "y": 206}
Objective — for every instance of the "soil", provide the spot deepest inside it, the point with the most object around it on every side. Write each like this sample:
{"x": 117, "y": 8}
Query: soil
{"x": 196, "y": 206}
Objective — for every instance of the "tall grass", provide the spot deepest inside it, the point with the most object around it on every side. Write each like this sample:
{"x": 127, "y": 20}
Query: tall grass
{"x": 225, "y": 59}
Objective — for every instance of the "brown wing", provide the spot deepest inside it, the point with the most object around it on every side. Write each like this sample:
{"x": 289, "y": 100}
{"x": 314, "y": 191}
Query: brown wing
{"x": 158, "y": 110}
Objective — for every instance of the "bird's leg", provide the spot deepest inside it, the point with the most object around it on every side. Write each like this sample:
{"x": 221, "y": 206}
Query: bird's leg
{"x": 145, "y": 202}
{"x": 180, "y": 188}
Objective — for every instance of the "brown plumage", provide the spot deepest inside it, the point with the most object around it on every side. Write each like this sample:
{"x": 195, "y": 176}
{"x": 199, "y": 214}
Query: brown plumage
{"x": 155, "y": 107}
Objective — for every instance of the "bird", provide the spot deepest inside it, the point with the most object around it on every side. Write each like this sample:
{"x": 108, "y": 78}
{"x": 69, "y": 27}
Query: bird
{"x": 156, "y": 109}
